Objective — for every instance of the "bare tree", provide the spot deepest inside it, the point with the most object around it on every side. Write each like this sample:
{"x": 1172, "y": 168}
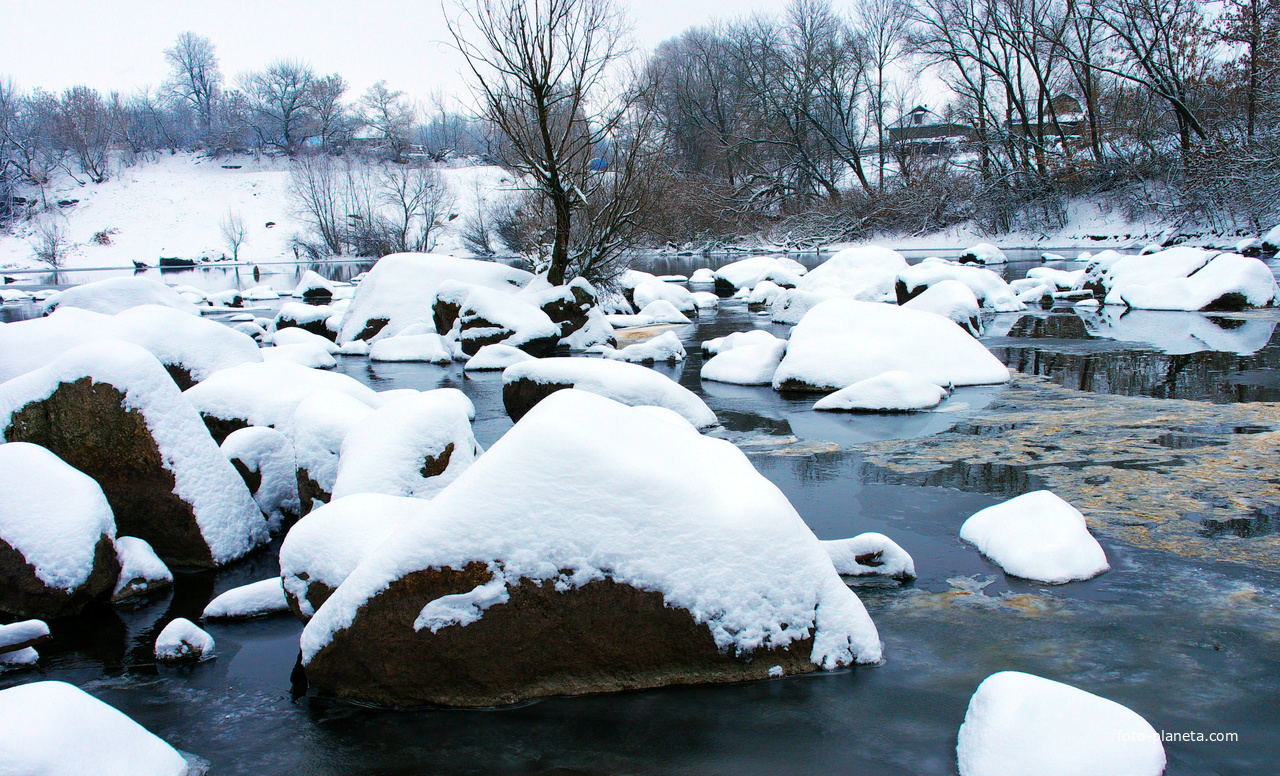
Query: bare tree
{"x": 390, "y": 116}
{"x": 539, "y": 67}
{"x": 417, "y": 199}
{"x": 51, "y": 243}
{"x": 883, "y": 26}
{"x": 282, "y": 99}
{"x": 234, "y": 232}
{"x": 333, "y": 122}
{"x": 195, "y": 77}
{"x": 87, "y": 127}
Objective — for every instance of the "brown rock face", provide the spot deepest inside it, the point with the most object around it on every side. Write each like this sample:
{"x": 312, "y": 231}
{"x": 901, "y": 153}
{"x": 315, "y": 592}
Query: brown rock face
{"x": 602, "y": 637}
{"x": 317, "y": 593}
{"x": 221, "y": 428}
{"x": 519, "y": 396}
{"x": 87, "y": 425}
{"x": 570, "y": 316}
{"x": 22, "y": 593}
{"x": 309, "y": 491}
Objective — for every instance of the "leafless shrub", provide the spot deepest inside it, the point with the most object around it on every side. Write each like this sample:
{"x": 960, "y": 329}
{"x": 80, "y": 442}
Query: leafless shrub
{"x": 234, "y": 232}
{"x": 51, "y": 243}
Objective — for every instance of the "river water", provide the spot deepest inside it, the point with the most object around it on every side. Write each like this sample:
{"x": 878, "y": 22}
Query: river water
{"x": 1189, "y": 647}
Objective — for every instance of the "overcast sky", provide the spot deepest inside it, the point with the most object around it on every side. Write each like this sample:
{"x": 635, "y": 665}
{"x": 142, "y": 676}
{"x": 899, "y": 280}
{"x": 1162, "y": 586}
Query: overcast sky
{"x": 119, "y": 44}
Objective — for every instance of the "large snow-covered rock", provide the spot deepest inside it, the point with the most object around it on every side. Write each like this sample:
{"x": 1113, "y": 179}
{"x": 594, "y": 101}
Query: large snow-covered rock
{"x": 485, "y": 316}
{"x": 664, "y": 347}
{"x": 318, "y": 428}
{"x": 111, "y": 410}
{"x": 183, "y": 641}
{"x": 556, "y": 565}
{"x": 263, "y": 457}
{"x": 190, "y": 347}
{"x": 870, "y": 554}
{"x": 314, "y": 319}
{"x": 1037, "y": 536}
{"x": 866, "y": 272}
{"x": 650, "y": 291}
{"x": 895, "y": 391}
{"x": 568, "y": 306}
{"x": 323, "y": 548}
{"x": 792, "y": 305}
{"x": 423, "y": 348}
{"x": 266, "y": 394}
{"x": 141, "y": 570}
{"x": 1228, "y": 281}
{"x": 991, "y": 291}
{"x": 57, "y": 729}
{"x": 748, "y": 362}
{"x": 746, "y": 273}
{"x": 1020, "y": 723}
{"x": 114, "y": 295}
{"x": 413, "y": 446}
{"x": 528, "y": 383}
{"x": 255, "y": 599}
{"x": 56, "y": 535}
{"x": 950, "y": 299}
{"x": 492, "y": 358}
{"x": 312, "y": 287}
{"x": 400, "y": 289}
{"x": 843, "y": 341}
{"x": 1111, "y": 274}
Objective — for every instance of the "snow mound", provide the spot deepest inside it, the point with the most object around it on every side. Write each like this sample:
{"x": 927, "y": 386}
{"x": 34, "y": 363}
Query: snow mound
{"x": 1116, "y": 274}
{"x": 983, "y": 253}
{"x": 792, "y": 305}
{"x": 655, "y": 313}
{"x": 312, "y": 286}
{"x": 650, "y": 291}
{"x": 1228, "y": 281}
{"x": 319, "y": 425}
{"x": 305, "y": 353}
{"x": 991, "y": 291}
{"x": 705, "y": 300}
{"x": 1060, "y": 279}
{"x": 252, "y": 600}
{"x": 843, "y": 341}
{"x": 764, "y": 293}
{"x": 264, "y": 459}
{"x": 413, "y": 446}
{"x": 628, "y": 384}
{"x": 866, "y": 272}
{"x": 58, "y": 729}
{"x": 703, "y": 275}
{"x": 738, "y": 339}
{"x": 183, "y": 640}
{"x": 324, "y": 547}
{"x": 895, "y": 391}
{"x": 953, "y": 300}
{"x": 21, "y": 635}
{"x": 495, "y": 357}
{"x": 1021, "y": 723}
{"x": 870, "y": 554}
{"x": 748, "y": 272}
{"x": 292, "y": 335}
{"x": 52, "y": 514}
{"x": 400, "y": 289}
{"x": 428, "y": 348}
{"x": 696, "y": 523}
{"x": 267, "y": 394}
{"x": 229, "y": 521}
{"x": 115, "y": 295}
{"x": 748, "y": 362}
{"x": 141, "y": 570}
{"x": 1037, "y": 536}
{"x": 664, "y": 347}
{"x": 197, "y": 346}
{"x": 486, "y": 316}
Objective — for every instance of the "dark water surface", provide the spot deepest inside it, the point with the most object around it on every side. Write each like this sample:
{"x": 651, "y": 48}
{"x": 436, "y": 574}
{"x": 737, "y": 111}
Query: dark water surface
{"x": 1188, "y": 647}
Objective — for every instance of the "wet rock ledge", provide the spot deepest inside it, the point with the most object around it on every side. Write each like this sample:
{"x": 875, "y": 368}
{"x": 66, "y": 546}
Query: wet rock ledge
{"x": 1197, "y": 479}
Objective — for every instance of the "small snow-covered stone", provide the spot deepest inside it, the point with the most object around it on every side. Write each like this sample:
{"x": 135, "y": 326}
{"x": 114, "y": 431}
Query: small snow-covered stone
{"x": 738, "y": 339}
{"x": 705, "y": 300}
{"x": 305, "y": 353}
{"x": 664, "y": 347}
{"x": 312, "y": 318}
{"x": 141, "y": 570}
{"x": 253, "y": 600}
{"x": 651, "y": 291}
{"x": 260, "y": 293}
{"x": 703, "y": 275}
{"x": 57, "y": 729}
{"x": 747, "y": 273}
{"x": 1037, "y": 536}
{"x": 895, "y": 391}
{"x": 656, "y": 312}
{"x": 312, "y": 287}
{"x": 265, "y": 461}
{"x": 292, "y": 335}
{"x": 481, "y": 316}
{"x": 16, "y": 661}
{"x": 764, "y": 292}
{"x": 1020, "y": 723}
{"x": 23, "y": 635}
{"x": 495, "y": 357}
{"x": 983, "y": 253}
{"x": 354, "y": 348}
{"x": 748, "y": 362}
{"x": 870, "y": 554}
{"x": 181, "y": 641}
{"x": 428, "y": 348}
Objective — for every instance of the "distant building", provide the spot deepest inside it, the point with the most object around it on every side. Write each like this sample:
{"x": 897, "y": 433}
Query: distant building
{"x": 922, "y": 131}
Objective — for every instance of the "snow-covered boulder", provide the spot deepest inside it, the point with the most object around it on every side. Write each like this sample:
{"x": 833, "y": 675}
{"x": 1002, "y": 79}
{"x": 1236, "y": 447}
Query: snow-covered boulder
{"x": 703, "y": 275}
{"x": 950, "y": 299}
{"x": 495, "y": 358}
{"x": 764, "y": 293}
{"x": 738, "y": 339}
{"x": 304, "y": 353}
{"x": 1022, "y": 723}
{"x": 1229, "y": 281}
{"x": 111, "y": 410}
{"x": 260, "y": 294}
{"x": 1271, "y": 240}
{"x": 991, "y": 291}
{"x": 265, "y": 394}
{"x": 310, "y": 318}
{"x": 654, "y": 314}
{"x": 17, "y": 636}
{"x": 528, "y": 383}
{"x": 1111, "y": 274}
{"x": 256, "y": 599}
{"x": 19, "y": 659}
{"x": 895, "y": 391}
{"x": 319, "y": 425}
{"x": 413, "y": 446}
{"x": 870, "y": 554}
{"x": 183, "y": 641}
{"x": 554, "y": 565}
{"x": 424, "y": 348}
{"x": 596, "y": 331}
{"x": 792, "y": 305}
{"x": 652, "y": 290}
{"x": 292, "y": 335}
{"x": 56, "y": 535}
{"x": 313, "y": 288}
{"x": 400, "y": 289}
{"x": 747, "y": 362}
{"x": 263, "y": 457}
{"x": 746, "y": 273}
{"x": 866, "y": 272}
{"x": 705, "y": 300}
{"x": 983, "y": 253}
{"x": 57, "y": 729}
{"x": 323, "y": 548}
{"x": 664, "y": 347}
{"x": 843, "y": 341}
{"x": 141, "y": 570}
{"x": 114, "y": 295}
{"x": 568, "y": 306}
{"x": 1060, "y": 279}
{"x": 190, "y": 347}
{"x": 1037, "y": 536}
{"x": 484, "y": 316}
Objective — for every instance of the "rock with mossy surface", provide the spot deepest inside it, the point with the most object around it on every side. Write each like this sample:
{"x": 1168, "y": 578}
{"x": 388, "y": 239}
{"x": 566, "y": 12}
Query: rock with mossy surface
{"x": 558, "y": 564}
{"x": 111, "y": 411}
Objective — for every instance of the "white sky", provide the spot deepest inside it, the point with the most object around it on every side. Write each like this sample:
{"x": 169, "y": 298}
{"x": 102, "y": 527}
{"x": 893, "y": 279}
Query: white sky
{"x": 119, "y": 44}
